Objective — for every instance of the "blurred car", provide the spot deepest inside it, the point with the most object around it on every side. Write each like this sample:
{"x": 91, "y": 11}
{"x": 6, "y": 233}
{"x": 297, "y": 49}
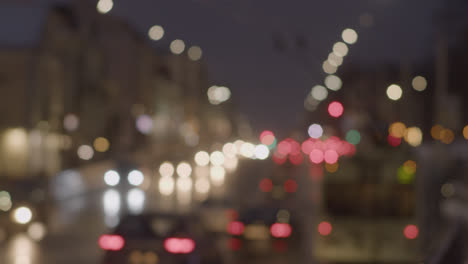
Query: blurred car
{"x": 263, "y": 232}
{"x": 159, "y": 238}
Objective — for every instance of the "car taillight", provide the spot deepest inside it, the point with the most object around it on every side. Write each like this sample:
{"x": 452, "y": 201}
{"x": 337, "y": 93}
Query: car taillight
{"x": 234, "y": 244}
{"x": 280, "y": 230}
{"x": 177, "y": 245}
{"x": 111, "y": 242}
{"x": 235, "y": 228}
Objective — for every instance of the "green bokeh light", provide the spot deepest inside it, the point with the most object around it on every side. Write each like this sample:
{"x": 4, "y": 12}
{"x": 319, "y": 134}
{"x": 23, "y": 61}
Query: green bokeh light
{"x": 404, "y": 177}
{"x": 353, "y": 137}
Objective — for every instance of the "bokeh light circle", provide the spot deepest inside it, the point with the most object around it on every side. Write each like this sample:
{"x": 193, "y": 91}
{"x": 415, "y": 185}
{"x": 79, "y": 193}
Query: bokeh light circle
{"x": 335, "y": 109}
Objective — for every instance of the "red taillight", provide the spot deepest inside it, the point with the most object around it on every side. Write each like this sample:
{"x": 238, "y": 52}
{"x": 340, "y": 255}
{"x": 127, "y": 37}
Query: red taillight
{"x": 176, "y": 245}
{"x": 325, "y": 228}
{"x": 235, "y": 228}
{"x": 111, "y": 242}
{"x": 281, "y": 230}
{"x": 235, "y": 244}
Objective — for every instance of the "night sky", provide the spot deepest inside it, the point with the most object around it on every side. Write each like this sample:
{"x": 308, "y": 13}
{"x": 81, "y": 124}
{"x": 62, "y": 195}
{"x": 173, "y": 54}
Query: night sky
{"x": 268, "y": 85}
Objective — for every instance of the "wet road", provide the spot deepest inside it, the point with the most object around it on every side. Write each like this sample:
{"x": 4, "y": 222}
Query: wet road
{"x": 83, "y": 213}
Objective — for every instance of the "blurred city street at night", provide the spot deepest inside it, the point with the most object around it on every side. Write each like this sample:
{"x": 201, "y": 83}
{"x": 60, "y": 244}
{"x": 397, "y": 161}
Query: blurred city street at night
{"x": 232, "y": 132}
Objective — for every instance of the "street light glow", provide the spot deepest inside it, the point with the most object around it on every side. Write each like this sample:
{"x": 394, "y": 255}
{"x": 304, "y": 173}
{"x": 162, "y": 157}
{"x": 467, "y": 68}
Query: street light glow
{"x": 419, "y": 83}
{"x": 22, "y": 215}
{"x": 394, "y": 92}
{"x": 218, "y": 94}
{"x": 340, "y": 49}
{"x": 194, "y": 53}
{"x": 349, "y": 36}
{"x": 333, "y": 82}
{"x": 156, "y": 32}
{"x": 177, "y": 46}
{"x": 104, "y": 6}
{"x": 319, "y": 93}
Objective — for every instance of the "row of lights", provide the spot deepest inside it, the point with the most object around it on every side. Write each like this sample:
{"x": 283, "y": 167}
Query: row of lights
{"x": 330, "y": 66}
{"x": 219, "y": 163}
{"x": 177, "y": 46}
{"x": 156, "y": 33}
{"x": 216, "y": 94}
{"x": 414, "y": 136}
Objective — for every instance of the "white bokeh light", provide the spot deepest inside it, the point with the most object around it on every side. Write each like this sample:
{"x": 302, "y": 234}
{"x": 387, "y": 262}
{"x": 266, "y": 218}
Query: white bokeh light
{"x": 177, "y": 46}
{"x": 105, "y": 6}
{"x": 156, "y": 32}
{"x": 261, "y": 152}
{"x": 166, "y": 169}
{"x": 85, "y": 152}
{"x": 184, "y": 184}
{"x": 319, "y": 93}
{"x": 202, "y": 158}
{"x": 217, "y": 175}
{"x": 202, "y": 186}
{"x": 394, "y": 92}
{"x": 111, "y": 178}
{"x": 333, "y": 82}
{"x": 315, "y": 131}
{"x": 349, "y": 36}
{"x": 166, "y": 185}
{"x": 22, "y": 215}
{"x": 135, "y": 178}
{"x": 37, "y": 231}
{"x": 136, "y": 200}
{"x": 247, "y": 150}
{"x": 184, "y": 169}
{"x": 217, "y": 158}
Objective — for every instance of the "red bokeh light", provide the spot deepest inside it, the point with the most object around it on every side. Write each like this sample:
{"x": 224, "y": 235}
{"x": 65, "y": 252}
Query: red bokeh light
{"x": 232, "y": 214}
{"x": 411, "y": 232}
{"x": 316, "y": 156}
{"x": 284, "y": 147}
{"x": 331, "y": 156}
{"x": 325, "y": 228}
{"x": 290, "y": 186}
{"x": 281, "y": 230}
{"x": 280, "y": 245}
{"x": 177, "y": 245}
{"x": 235, "y": 244}
{"x": 295, "y": 147}
{"x": 335, "y": 109}
{"x": 296, "y": 159}
{"x": 279, "y": 158}
{"x": 111, "y": 242}
{"x": 316, "y": 172}
{"x": 266, "y": 185}
{"x": 267, "y": 137}
{"x": 393, "y": 141}
{"x": 235, "y": 228}
{"x": 307, "y": 146}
